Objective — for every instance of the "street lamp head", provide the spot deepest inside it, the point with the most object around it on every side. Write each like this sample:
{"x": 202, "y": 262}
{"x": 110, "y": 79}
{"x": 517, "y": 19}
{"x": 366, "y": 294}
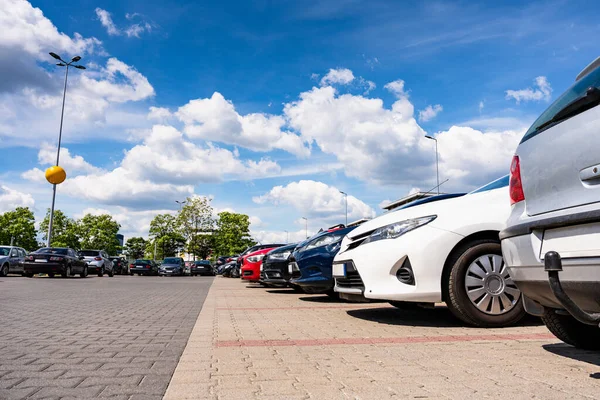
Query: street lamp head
{"x": 430, "y": 137}
{"x": 79, "y": 66}
{"x": 61, "y": 64}
{"x": 55, "y": 56}
{"x": 75, "y": 59}
{"x": 344, "y": 193}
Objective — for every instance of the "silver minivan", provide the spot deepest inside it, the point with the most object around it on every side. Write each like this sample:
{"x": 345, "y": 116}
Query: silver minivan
{"x": 552, "y": 240}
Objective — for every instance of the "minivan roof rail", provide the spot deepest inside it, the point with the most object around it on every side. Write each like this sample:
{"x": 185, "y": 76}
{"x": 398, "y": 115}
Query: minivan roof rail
{"x": 593, "y": 65}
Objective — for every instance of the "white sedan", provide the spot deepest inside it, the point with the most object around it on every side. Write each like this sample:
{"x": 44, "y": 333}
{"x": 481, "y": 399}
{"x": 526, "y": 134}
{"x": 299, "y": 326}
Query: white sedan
{"x": 446, "y": 250}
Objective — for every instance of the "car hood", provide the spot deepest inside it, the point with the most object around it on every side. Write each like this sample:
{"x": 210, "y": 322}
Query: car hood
{"x": 450, "y": 212}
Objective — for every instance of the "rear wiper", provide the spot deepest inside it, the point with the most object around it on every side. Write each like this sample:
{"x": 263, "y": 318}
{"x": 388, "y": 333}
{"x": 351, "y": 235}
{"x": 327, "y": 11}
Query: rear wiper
{"x": 590, "y": 99}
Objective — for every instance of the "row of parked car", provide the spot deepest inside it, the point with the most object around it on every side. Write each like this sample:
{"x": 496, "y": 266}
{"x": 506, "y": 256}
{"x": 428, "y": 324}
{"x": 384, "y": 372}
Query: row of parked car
{"x": 526, "y": 242}
{"x": 171, "y": 266}
{"x": 62, "y": 261}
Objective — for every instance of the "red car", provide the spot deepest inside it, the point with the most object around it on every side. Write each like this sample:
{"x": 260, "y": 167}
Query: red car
{"x": 251, "y": 264}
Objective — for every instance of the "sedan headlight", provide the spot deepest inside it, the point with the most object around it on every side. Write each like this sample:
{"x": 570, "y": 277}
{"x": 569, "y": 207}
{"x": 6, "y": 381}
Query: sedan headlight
{"x": 256, "y": 258}
{"x": 280, "y": 256}
{"x": 324, "y": 241}
{"x": 397, "y": 229}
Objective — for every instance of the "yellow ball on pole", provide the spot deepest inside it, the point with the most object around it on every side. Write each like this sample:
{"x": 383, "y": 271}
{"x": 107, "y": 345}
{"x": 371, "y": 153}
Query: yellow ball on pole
{"x": 56, "y": 175}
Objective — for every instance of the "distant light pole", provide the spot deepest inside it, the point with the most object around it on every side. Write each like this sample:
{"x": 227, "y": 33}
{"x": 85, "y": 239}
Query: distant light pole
{"x": 56, "y": 175}
{"x": 306, "y": 226}
{"x": 287, "y": 240}
{"x": 346, "y": 197}
{"x": 181, "y": 203}
{"x": 437, "y": 164}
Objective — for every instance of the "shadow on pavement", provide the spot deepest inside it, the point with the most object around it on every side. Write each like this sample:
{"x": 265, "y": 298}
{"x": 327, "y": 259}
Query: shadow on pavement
{"x": 439, "y": 317}
{"x": 281, "y": 291}
{"x": 322, "y": 298}
{"x": 564, "y": 350}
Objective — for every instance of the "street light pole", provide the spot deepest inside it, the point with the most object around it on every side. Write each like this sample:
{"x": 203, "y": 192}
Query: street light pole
{"x": 62, "y": 63}
{"x": 437, "y": 164}
{"x": 306, "y": 227}
{"x": 346, "y": 197}
{"x": 287, "y": 238}
{"x": 181, "y": 203}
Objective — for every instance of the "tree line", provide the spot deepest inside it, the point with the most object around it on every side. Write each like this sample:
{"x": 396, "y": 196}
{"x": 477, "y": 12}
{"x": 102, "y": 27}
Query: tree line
{"x": 90, "y": 232}
{"x": 195, "y": 231}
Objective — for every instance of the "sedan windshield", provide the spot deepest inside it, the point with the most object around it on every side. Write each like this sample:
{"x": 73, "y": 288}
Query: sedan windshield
{"x": 171, "y": 261}
{"x": 47, "y": 250}
{"x": 497, "y": 184}
{"x": 4, "y": 251}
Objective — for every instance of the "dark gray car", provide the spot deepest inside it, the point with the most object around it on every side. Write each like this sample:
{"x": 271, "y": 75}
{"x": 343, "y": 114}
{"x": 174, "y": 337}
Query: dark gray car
{"x": 11, "y": 260}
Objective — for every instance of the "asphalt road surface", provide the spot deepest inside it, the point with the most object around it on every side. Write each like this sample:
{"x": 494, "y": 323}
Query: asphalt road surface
{"x": 118, "y": 338}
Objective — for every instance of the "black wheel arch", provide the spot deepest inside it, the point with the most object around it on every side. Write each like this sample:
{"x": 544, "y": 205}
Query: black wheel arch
{"x": 458, "y": 250}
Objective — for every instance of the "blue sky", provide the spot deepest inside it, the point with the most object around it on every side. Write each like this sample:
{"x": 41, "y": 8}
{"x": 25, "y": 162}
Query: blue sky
{"x": 273, "y": 107}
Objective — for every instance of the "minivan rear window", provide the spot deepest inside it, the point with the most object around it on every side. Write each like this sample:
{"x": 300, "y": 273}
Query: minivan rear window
{"x": 574, "y": 92}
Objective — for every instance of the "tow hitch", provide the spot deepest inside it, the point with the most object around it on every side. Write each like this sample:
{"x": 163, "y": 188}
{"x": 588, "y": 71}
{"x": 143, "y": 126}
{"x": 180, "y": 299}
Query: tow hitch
{"x": 553, "y": 265}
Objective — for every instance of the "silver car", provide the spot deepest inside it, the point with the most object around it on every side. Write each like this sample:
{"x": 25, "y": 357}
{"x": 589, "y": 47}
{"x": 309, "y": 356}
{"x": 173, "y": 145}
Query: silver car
{"x": 552, "y": 240}
{"x": 11, "y": 260}
{"x": 98, "y": 262}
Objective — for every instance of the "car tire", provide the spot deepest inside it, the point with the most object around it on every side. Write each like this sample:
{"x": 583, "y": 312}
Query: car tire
{"x": 4, "y": 270}
{"x": 111, "y": 273}
{"x": 84, "y": 273}
{"x": 28, "y": 274}
{"x": 571, "y": 331}
{"x": 66, "y": 273}
{"x": 51, "y": 275}
{"x": 478, "y": 261}
{"x": 405, "y": 305}
{"x": 101, "y": 272}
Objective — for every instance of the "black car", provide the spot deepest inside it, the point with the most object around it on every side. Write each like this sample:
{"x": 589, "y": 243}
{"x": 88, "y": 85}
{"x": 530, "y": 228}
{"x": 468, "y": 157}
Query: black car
{"x": 143, "y": 267}
{"x": 55, "y": 260}
{"x": 119, "y": 265}
{"x": 228, "y": 268}
{"x": 202, "y": 267}
{"x": 275, "y": 266}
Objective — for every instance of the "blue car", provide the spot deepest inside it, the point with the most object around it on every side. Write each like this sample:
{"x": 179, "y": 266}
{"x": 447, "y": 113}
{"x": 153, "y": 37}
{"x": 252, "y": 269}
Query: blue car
{"x": 311, "y": 263}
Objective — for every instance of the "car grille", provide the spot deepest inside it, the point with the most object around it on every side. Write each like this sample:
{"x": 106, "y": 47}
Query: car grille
{"x": 352, "y": 280}
{"x": 357, "y": 240}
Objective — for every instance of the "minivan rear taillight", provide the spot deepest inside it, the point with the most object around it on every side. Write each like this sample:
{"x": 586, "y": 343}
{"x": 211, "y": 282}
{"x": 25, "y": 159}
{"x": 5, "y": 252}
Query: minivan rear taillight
{"x": 515, "y": 186}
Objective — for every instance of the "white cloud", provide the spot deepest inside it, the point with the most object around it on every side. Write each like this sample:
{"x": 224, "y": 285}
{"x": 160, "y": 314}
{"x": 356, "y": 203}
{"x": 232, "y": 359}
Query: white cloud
{"x": 430, "y": 112}
{"x": 11, "y": 199}
{"x": 255, "y": 222}
{"x": 71, "y": 164}
{"x": 107, "y": 22}
{"x": 267, "y": 237}
{"x": 133, "y": 30}
{"x": 163, "y": 168}
{"x": 414, "y": 190}
{"x": 26, "y": 29}
{"x": 215, "y": 119}
{"x": 341, "y": 76}
{"x": 481, "y": 106}
{"x": 316, "y": 200}
{"x": 542, "y": 92}
{"x": 160, "y": 114}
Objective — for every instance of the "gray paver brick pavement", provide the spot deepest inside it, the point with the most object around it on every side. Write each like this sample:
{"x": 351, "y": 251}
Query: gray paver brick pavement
{"x": 117, "y": 337}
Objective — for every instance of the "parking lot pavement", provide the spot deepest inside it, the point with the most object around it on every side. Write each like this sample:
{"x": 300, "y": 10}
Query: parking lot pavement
{"x": 117, "y": 337}
{"x": 252, "y": 342}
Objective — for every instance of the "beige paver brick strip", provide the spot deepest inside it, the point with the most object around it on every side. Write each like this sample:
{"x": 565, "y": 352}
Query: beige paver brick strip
{"x": 257, "y": 343}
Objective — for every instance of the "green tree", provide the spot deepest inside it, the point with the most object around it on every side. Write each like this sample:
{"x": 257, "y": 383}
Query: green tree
{"x": 136, "y": 247}
{"x": 196, "y": 224}
{"x": 164, "y": 236}
{"x": 99, "y": 232}
{"x": 64, "y": 230}
{"x": 232, "y": 235}
{"x": 18, "y": 227}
